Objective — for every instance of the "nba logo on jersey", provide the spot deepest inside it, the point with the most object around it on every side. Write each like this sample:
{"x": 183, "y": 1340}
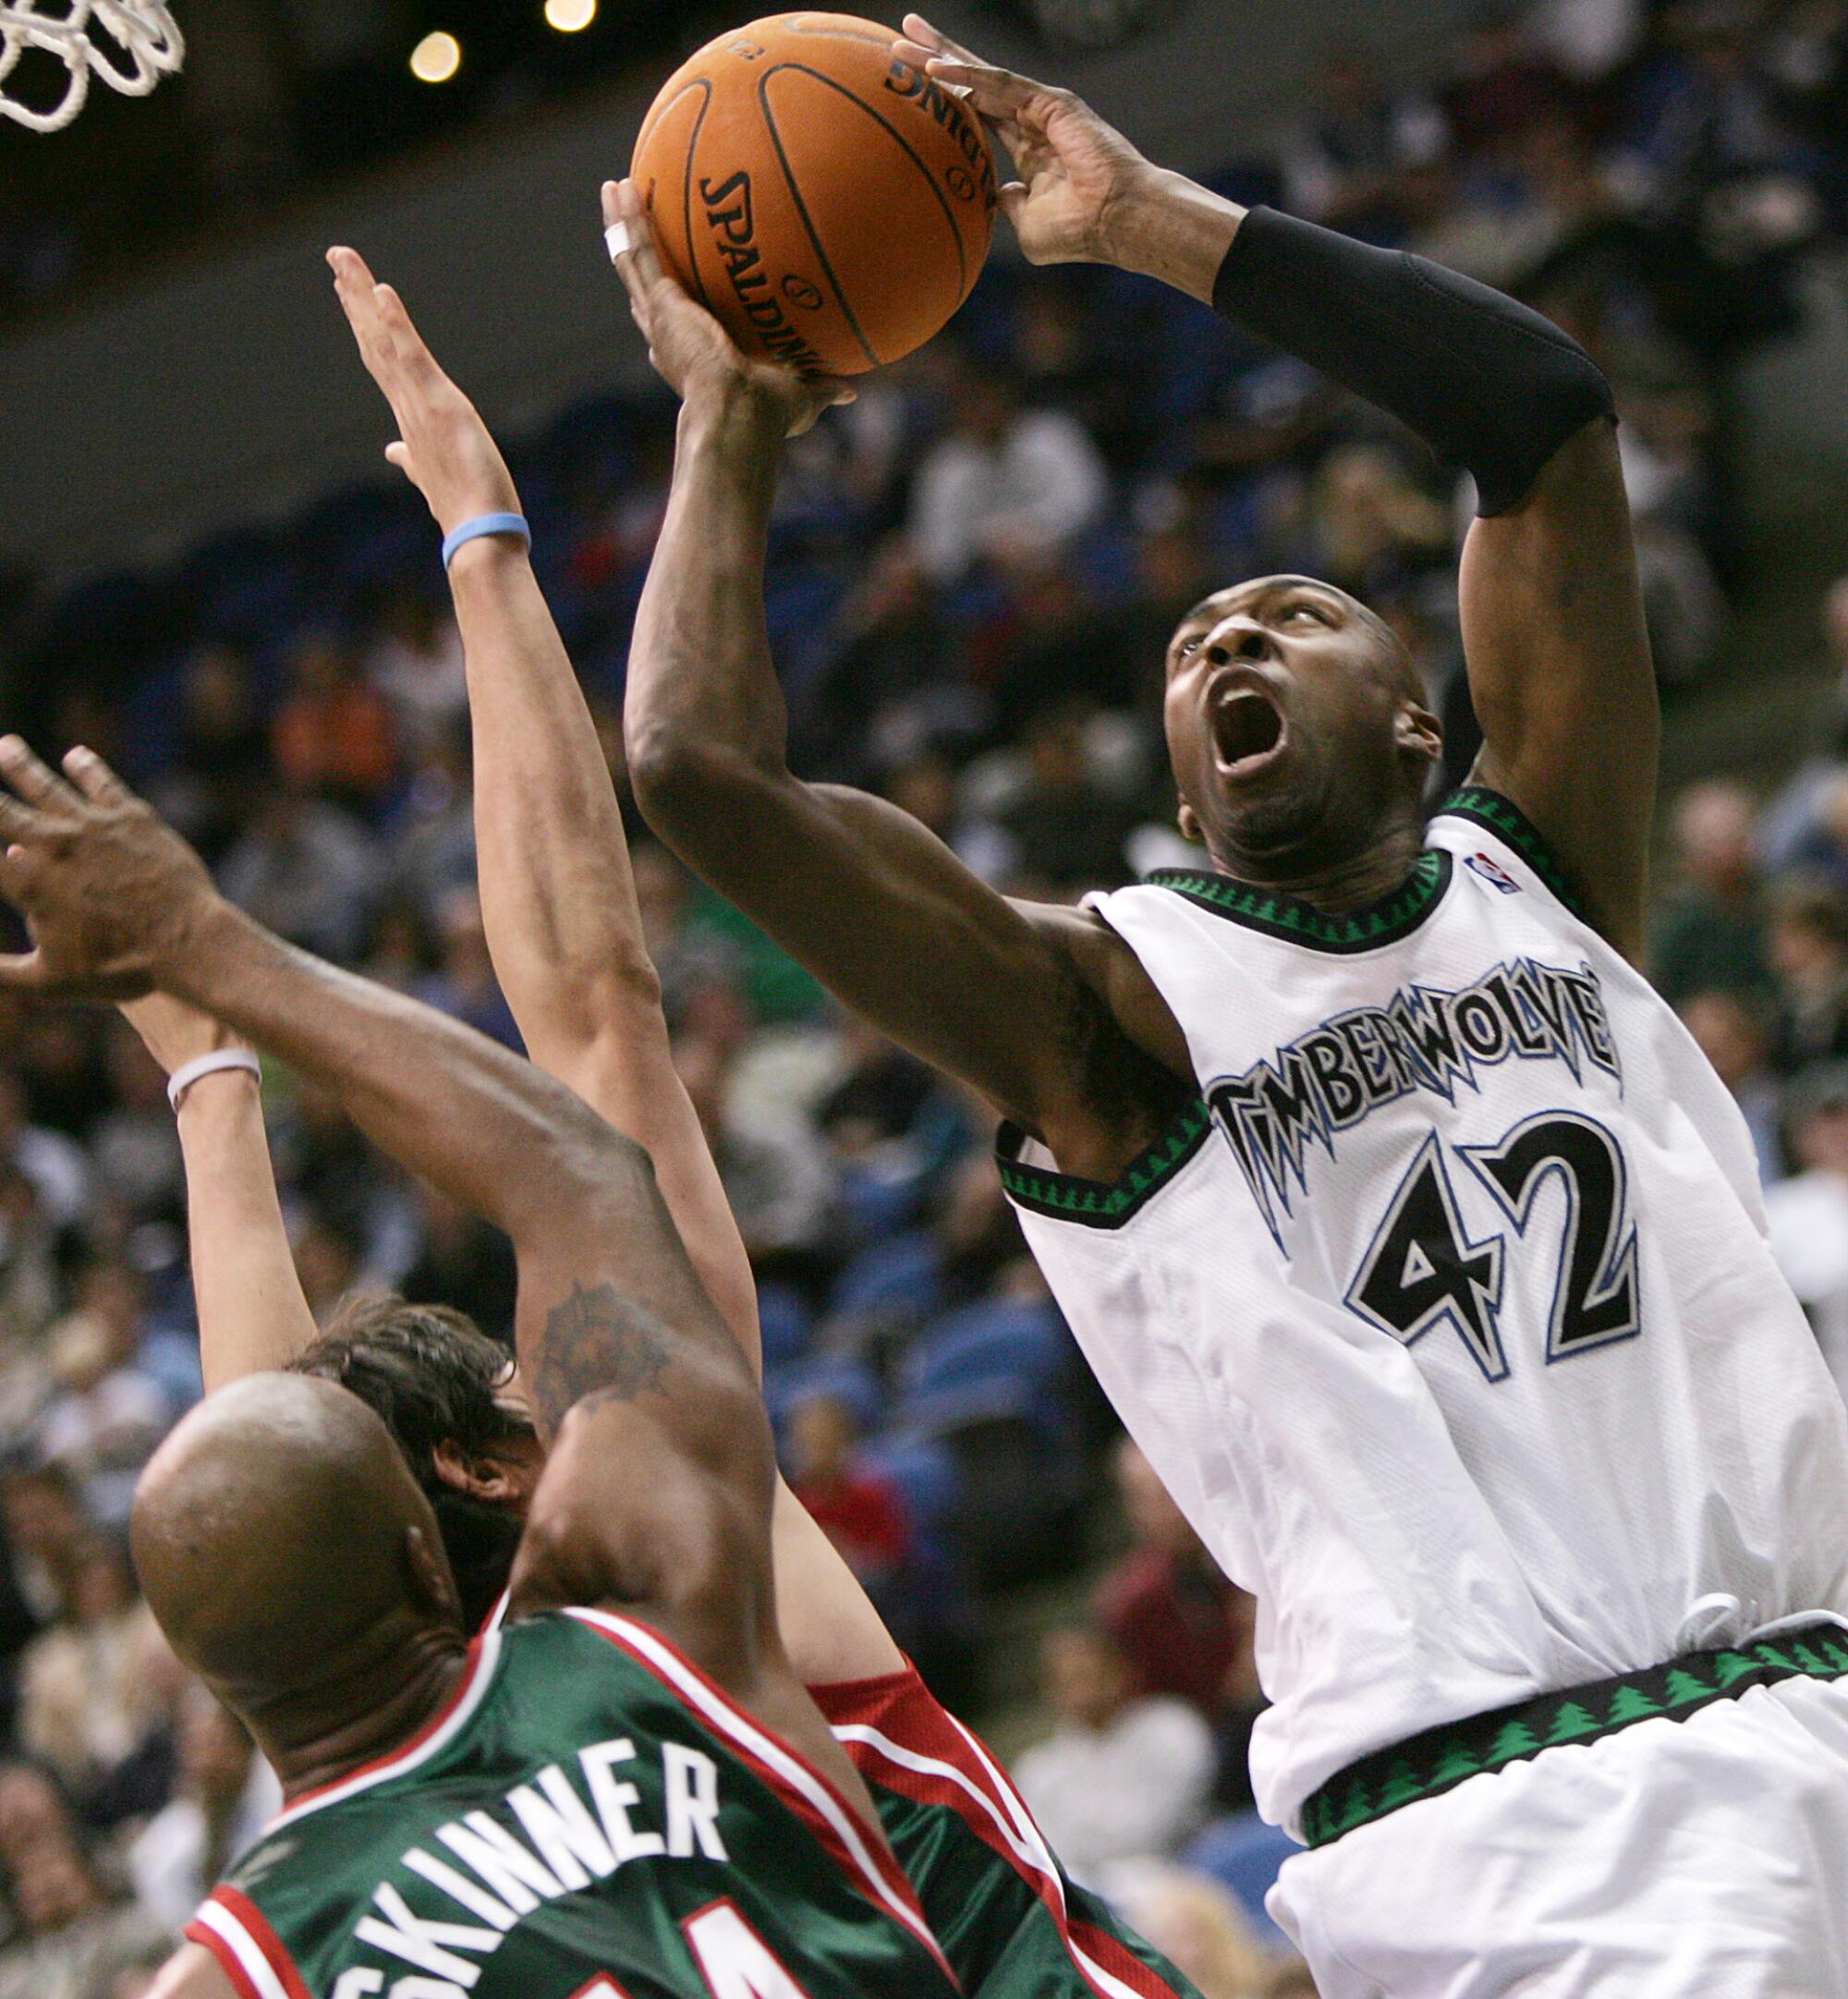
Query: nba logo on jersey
{"x": 1493, "y": 873}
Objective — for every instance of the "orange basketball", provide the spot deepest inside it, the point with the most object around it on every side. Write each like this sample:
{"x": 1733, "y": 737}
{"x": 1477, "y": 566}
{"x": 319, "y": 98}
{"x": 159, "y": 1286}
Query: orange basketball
{"x": 832, "y": 205}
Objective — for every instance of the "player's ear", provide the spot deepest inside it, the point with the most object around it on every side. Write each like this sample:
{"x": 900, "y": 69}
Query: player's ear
{"x": 480, "y": 1476}
{"x": 1190, "y": 825}
{"x": 1419, "y": 733}
{"x": 432, "y": 1585}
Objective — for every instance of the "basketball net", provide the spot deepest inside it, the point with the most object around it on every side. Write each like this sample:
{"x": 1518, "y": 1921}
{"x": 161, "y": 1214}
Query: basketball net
{"x": 144, "y": 46}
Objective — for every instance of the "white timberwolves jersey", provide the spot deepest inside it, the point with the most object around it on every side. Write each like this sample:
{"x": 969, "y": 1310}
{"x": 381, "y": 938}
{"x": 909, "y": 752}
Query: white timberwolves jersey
{"x": 1447, "y": 1314}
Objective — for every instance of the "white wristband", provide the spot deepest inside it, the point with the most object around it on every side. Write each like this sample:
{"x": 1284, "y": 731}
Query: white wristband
{"x": 188, "y": 1073}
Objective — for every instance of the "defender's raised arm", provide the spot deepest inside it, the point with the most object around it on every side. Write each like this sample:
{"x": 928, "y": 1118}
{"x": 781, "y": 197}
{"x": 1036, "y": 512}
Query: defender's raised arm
{"x": 608, "y": 1306}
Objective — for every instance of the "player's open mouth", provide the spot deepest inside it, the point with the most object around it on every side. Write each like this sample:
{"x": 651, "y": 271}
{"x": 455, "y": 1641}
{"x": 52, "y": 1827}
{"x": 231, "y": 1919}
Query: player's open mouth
{"x": 1248, "y": 731}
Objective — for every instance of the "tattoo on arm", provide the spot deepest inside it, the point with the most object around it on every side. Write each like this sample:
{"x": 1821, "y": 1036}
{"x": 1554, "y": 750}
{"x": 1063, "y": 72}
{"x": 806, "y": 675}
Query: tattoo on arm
{"x": 598, "y": 1342}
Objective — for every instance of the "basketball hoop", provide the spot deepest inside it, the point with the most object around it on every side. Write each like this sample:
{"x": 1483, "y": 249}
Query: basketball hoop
{"x": 144, "y": 44}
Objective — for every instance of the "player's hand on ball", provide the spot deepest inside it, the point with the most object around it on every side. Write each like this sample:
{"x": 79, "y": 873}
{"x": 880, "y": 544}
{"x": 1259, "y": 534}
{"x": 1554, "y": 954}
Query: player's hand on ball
{"x": 687, "y": 347}
{"x": 110, "y": 893}
{"x": 1079, "y": 178}
{"x": 444, "y": 449}
{"x": 176, "y": 1033}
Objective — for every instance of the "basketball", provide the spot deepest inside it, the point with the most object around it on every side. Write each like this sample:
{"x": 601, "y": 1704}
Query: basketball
{"x": 831, "y": 206}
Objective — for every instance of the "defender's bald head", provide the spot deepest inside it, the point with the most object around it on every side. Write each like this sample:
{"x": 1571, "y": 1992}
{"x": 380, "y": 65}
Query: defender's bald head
{"x": 278, "y": 1532}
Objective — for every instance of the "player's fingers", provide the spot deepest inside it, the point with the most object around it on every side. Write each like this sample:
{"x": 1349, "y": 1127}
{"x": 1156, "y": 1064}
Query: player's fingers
{"x": 1012, "y": 199}
{"x": 31, "y": 779}
{"x": 17, "y": 823}
{"x": 412, "y": 348}
{"x": 93, "y": 777}
{"x": 23, "y": 973}
{"x": 998, "y": 94}
{"x": 934, "y": 41}
{"x": 632, "y": 240}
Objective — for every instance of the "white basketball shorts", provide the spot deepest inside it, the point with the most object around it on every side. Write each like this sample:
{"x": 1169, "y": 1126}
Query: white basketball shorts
{"x": 1704, "y": 1858}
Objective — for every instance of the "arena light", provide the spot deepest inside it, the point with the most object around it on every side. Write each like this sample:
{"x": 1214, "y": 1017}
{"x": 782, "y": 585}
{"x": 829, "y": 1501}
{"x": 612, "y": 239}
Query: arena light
{"x": 569, "y": 15}
{"x": 436, "y": 58}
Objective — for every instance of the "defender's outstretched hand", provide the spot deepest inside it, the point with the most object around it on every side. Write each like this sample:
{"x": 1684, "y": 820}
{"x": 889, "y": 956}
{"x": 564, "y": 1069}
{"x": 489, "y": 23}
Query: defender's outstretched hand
{"x": 108, "y": 890}
{"x": 687, "y": 347}
{"x": 444, "y": 449}
{"x": 1079, "y": 176}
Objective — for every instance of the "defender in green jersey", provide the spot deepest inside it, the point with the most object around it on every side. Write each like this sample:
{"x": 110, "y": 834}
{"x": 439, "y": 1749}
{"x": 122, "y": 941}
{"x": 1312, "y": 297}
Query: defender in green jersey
{"x": 589, "y": 1800}
{"x": 640, "y": 1704}
{"x": 564, "y": 927}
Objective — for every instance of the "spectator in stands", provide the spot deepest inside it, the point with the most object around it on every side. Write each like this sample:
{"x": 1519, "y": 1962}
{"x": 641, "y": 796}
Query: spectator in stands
{"x": 416, "y": 663}
{"x": 1808, "y": 1212}
{"x": 1732, "y": 1033}
{"x": 464, "y": 984}
{"x": 1710, "y": 927}
{"x": 859, "y": 1510}
{"x": 334, "y": 734}
{"x": 226, "y": 1795}
{"x": 1343, "y": 166}
{"x": 775, "y": 1172}
{"x": 1177, "y": 1621}
{"x": 1007, "y": 486}
{"x": 133, "y": 1145}
{"x": 109, "y": 1413}
{"x": 304, "y": 869}
{"x": 28, "y": 1301}
{"x": 221, "y": 759}
{"x": 45, "y": 1532}
{"x": 1808, "y": 945}
{"x": 75, "y": 1940}
{"x": 1070, "y": 829}
{"x": 96, "y": 1693}
{"x": 688, "y": 954}
{"x": 57, "y": 1169}
{"x": 1121, "y": 1777}
{"x": 433, "y": 834}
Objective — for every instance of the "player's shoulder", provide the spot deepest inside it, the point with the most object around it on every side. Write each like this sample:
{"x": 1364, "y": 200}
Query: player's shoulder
{"x": 1489, "y": 834}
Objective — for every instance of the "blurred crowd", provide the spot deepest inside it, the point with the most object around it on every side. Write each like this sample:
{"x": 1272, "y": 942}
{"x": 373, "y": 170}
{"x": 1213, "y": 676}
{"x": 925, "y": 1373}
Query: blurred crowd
{"x": 973, "y": 574}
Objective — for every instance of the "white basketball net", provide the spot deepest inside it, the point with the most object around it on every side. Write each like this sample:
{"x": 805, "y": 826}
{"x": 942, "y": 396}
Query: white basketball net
{"x": 143, "y": 45}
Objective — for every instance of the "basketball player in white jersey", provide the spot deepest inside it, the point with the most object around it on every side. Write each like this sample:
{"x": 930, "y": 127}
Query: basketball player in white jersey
{"x": 1412, "y": 1237}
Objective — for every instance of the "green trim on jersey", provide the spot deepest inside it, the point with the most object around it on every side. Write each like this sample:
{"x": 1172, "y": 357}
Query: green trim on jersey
{"x": 1292, "y": 921}
{"x": 1104, "y": 1203}
{"x": 1428, "y": 1764}
{"x": 1503, "y": 817}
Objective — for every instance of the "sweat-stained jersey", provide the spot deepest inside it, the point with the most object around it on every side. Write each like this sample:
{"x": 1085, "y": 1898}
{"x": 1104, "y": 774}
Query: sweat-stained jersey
{"x": 590, "y": 1818}
{"x": 1010, "y": 1921}
{"x": 1447, "y": 1314}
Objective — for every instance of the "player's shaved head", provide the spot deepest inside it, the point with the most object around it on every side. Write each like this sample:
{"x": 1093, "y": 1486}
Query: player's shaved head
{"x": 284, "y": 1546}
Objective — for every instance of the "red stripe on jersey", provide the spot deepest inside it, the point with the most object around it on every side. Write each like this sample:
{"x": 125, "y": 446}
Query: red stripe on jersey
{"x": 883, "y": 1722}
{"x": 223, "y": 1955}
{"x": 1112, "y": 1955}
{"x": 875, "y": 1866}
{"x": 255, "y": 1925}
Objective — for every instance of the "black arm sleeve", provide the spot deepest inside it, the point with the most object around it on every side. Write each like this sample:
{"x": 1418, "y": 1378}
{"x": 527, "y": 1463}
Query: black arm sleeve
{"x": 1488, "y": 385}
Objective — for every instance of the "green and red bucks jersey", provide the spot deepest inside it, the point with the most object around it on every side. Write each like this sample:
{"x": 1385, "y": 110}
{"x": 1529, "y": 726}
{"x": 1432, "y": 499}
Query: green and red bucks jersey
{"x": 589, "y": 1818}
{"x": 1012, "y": 1923}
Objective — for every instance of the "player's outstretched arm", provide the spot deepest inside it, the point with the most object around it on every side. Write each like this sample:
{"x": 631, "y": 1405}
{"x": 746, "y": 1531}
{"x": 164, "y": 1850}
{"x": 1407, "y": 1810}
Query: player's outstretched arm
{"x": 557, "y": 894}
{"x": 558, "y": 899}
{"x": 1554, "y": 631}
{"x": 881, "y": 912}
{"x": 252, "y": 1314}
{"x": 610, "y": 1309}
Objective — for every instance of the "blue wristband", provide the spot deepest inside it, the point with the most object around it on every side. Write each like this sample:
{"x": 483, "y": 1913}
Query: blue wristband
{"x": 484, "y": 524}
